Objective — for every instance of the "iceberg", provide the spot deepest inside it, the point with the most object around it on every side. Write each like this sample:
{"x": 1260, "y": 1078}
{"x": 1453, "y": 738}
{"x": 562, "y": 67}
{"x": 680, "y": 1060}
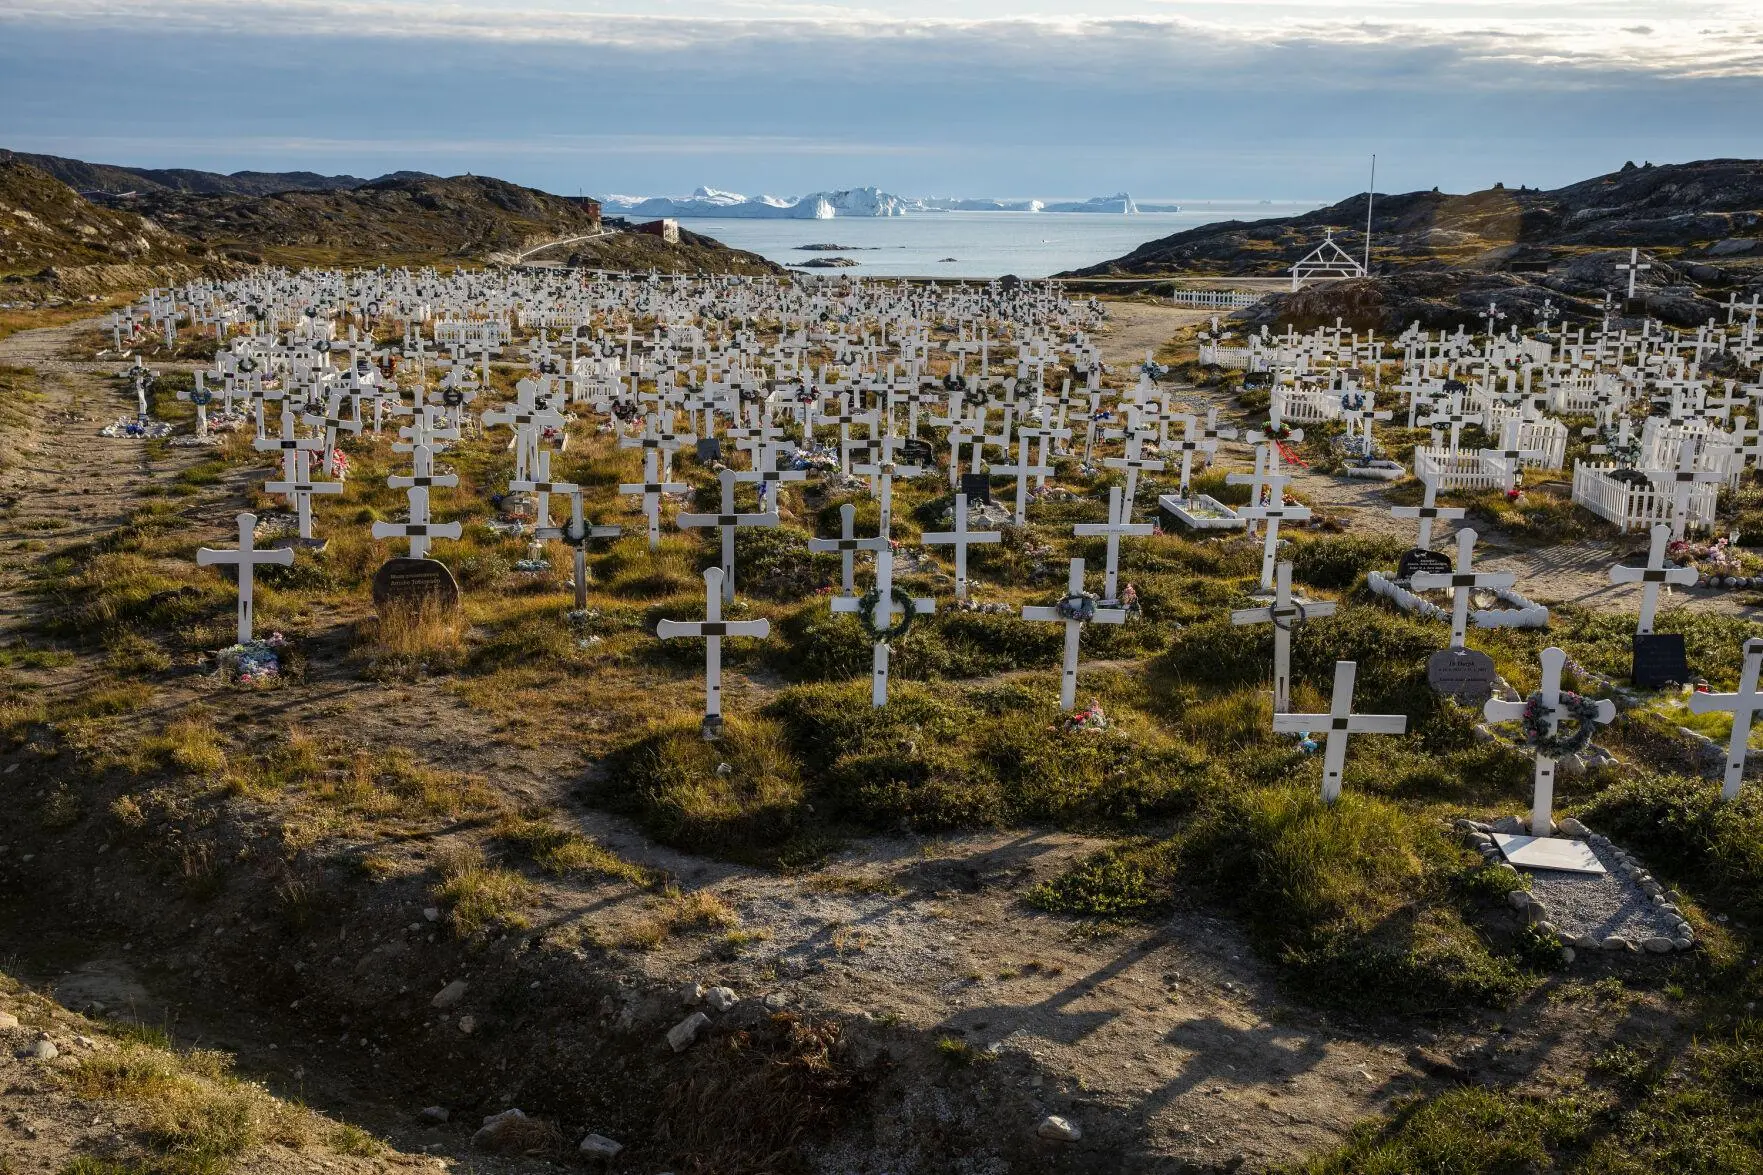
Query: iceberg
{"x": 714, "y": 202}
{"x": 1118, "y": 204}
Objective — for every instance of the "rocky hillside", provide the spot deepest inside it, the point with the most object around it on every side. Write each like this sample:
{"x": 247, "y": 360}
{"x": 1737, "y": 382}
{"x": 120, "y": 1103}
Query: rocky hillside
{"x": 55, "y": 244}
{"x": 1712, "y": 208}
{"x": 410, "y": 220}
{"x": 109, "y": 177}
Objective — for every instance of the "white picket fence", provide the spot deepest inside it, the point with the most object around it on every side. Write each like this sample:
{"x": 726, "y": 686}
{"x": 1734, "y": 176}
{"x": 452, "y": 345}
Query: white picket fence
{"x": 1462, "y": 470}
{"x": 1212, "y": 355}
{"x": 1221, "y": 299}
{"x": 1307, "y": 405}
{"x": 1634, "y": 506}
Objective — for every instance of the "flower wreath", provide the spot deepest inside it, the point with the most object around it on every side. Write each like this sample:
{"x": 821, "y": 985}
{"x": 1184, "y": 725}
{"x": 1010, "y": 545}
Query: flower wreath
{"x": 1353, "y": 401}
{"x": 1277, "y": 432}
{"x": 866, "y": 608}
{"x": 1582, "y": 712}
{"x": 202, "y": 397}
{"x": 973, "y": 397}
{"x": 1080, "y": 606}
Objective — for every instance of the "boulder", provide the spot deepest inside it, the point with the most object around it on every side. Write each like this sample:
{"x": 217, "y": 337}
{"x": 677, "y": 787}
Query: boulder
{"x": 598, "y": 1146}
{"x": 1057, "y": 1129}
{"x": 682, "y": 1035}
{"x": 450, "y": 995}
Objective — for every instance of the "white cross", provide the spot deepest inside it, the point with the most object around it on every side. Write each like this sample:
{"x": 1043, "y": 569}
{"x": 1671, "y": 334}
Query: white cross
{"x": 289, "y": 444}
{"x": 1116, "y": 528}
{"x": 848, "y": 546}
{"x": 1133, "y": 462}
{"x": 1511, "y": 456}
{"x": 246, "y": 558}
{"x": 301, "y": 488}
{"x": 1744, "y": 706}
{"x": 419, "y": 530}
{"x": 1426, "y": 512}
{"x": 1270, "y": 514}
{"x": 577, "y": 533}
{"x": 713, "y": 628}
{"x": 727, "y": 521}
{"x": 330, "y": 422}
{"x": 1073, "y": 630}
{"x": 885, "y": 608}
{"x": 959, "y": 538}
{"x": 1337, "y": 724}
{"x": 1633, "y": 268}
{"x": 1653, "y": 575}
{"x": 651, "y": 488}
{"x": 885, "y": 471}
{"x": 1542, "y": 802}
{"x": 1284, "y": 613}
{"x": 1684, "y": 481}
{"x": 1460, "y": 581}
{"x": 201, "y": 397}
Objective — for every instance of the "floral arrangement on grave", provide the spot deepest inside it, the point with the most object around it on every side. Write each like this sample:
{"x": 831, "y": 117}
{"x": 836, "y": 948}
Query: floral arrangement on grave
{"x": 1625, "y": 453}
{"x": 1573, "y": 733}
{"x": 254, "y": 665}
{"x": 1721, "y": 562}
{"x": 820, "y": 461}
{"x": 1154, "y": 369}
{"x": 973, "y": 397}
{"x": 535, "y": 562}
{"x": 1359, "y": 450}
{"x": 340, "y": 460}
{"x": 870, "y": 604}
{"x": 1517, "y": 490}
{"x": 627, "y": 409}
{"x": 1079, "y": 606}
{"x": 1090, "y": 717}
{"x": 1276, "y": 432}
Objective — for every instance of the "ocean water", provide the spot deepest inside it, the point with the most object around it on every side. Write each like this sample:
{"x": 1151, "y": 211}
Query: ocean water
{"x": 980, "y": 244}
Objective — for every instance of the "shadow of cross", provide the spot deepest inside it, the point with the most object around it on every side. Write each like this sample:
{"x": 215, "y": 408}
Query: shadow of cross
{"x": 1053, "y": 1018}
{"x": 1223, "y": 1052}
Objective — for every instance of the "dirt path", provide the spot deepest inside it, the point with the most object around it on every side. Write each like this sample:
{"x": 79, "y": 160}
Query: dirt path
{"x": 1169, "y": 1040}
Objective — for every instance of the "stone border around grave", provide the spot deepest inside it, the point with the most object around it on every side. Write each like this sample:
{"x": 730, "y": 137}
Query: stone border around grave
{"x": 1524, "y": 612}
{"x": 1480, "y": 836}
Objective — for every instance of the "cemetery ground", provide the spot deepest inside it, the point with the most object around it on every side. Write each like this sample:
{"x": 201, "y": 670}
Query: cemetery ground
{"x": 472, "y": 864}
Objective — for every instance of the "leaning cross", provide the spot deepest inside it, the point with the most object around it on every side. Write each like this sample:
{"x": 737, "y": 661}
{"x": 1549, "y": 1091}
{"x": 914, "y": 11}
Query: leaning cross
{"x": 248, "y": 556}
{"x": 712, "y": 628}
{"x": 1744, "y": 706}
{"x": 1284, "y": 613}
{"x": 1542, "y": 801}
{"x": 1071, "y": 615}
{"x": 1653, "y": 575}
{"x": 1460, "y": 581}
{"x": 1337, "y": 724}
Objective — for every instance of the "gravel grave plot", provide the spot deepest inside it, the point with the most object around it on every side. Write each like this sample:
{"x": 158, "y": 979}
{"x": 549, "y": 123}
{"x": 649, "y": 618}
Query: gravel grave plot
{"x": 1623, "y": 909}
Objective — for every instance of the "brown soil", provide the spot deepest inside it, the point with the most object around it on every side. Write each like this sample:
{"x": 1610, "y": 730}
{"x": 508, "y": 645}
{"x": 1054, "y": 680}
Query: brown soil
{"x": 1168, "y": 1044}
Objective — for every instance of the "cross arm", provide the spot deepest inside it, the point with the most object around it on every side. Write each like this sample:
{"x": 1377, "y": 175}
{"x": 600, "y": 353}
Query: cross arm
{"x": 1296, "y": 723}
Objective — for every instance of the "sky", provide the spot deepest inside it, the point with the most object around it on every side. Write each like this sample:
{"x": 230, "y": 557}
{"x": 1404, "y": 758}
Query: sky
{"x": 1164, "y": 99}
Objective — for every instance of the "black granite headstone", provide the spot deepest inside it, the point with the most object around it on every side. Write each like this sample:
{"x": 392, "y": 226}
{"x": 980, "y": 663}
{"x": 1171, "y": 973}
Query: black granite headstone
{"x": 1464, "y": 674}
{"x": 1659, "y": 659}
{"x": 709, "y": 449}
{"x": 914, "y": 451}
{"x": 1419, "y": 559}
{"x": 412, "y": 581}
{"x": 977, "y": 487}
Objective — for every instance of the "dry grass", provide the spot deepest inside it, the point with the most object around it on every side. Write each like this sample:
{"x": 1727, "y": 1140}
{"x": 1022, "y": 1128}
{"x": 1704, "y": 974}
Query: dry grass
{"x": 199, "y": 1116}
{"x": 413, "y": 639}
{"x": 480, "y": 896}
{"x": 564, "y": 852}
{"x": 676, "y": 912}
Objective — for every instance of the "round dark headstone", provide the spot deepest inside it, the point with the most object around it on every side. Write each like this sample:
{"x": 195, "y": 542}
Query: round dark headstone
{"x": 1464, "y": 674}
{"x": 407, "y": 581}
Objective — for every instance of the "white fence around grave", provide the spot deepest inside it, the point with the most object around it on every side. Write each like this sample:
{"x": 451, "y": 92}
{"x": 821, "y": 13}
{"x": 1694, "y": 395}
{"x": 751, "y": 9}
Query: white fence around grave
{"x": 1462, "y": 470}
{"x": 1545, "y": 437}
{"x": 1212, "y": 355}
{"x": 1221, "y": 299}
{"x": 1637, "y": 506}
{"x": 1307, "y": 405}
{"x": 456, "y": 333}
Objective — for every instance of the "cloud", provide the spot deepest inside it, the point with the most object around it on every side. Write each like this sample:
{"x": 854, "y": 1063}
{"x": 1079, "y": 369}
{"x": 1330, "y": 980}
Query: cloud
{"x": 1724, "y": 38}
